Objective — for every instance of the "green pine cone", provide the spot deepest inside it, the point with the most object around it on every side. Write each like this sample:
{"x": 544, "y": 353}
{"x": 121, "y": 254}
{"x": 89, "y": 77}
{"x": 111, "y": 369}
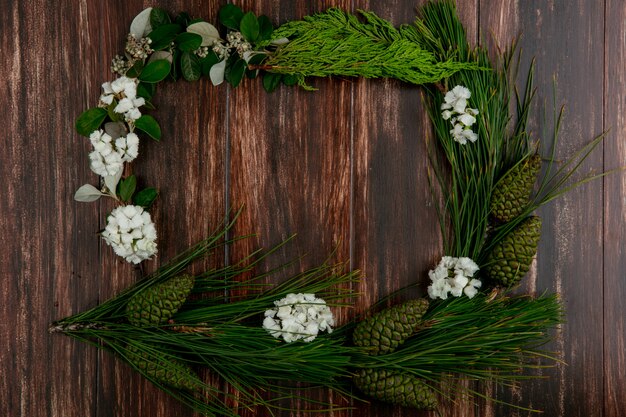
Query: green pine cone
{"x": 396, "y": 388}
{"x": 385, "y": 331}
{"x": 511, "y": 194}
{"x": 157, "y": 304}
{"x": 164, "y": 369}
{"x": 511, "y": 258}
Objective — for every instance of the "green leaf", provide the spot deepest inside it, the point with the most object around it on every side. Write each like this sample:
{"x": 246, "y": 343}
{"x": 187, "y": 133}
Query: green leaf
{"x": 158, "y": 18}
{"x": 87, "y": 193}
{"x": 163, "y": 36}
{"x": 175, "y": 63}
{"x": 249, "y": 27}
{"x": 148, "y": 105}
{"x": 126, "y": 188}
{"x": 146, "y": 90}
{"x": 190, "y": 66}
{"x": 290, "y": 79}
{"x": 90, "y": 120}
{"x": 145, "y": 197}
{"x": 235, "y": 71}
{"x": 111, "y": 181}
{"x": 207, "y": 62}
{"x": 115, "y": 117}
{"x": 230, "y": 16}
{"x": 187, "y": 41}
{"x": 116, "y": 129}
{"x": 135, "y": 70}
{"x": 271, "y": 81}
{"x": 216, "y": 73}
{"x": 265, "y": 28}
{"x": 183, "y": 19}
{"x": 149, "y": 125}
{"x": 209, "y": 33}
{"x": 256, "y": 59}
{"x": 140, "y": 25}
{"x": 155, "y": 71}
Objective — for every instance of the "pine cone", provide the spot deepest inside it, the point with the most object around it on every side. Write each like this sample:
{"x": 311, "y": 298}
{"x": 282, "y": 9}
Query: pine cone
{"x": 511, "y": 194}
{"x": 510, "y": 259}
{"x": 396, "y": 388}
{"x": 164, "y": 368}
{"x": 384, "y": 332}
{"x": 157, "y": 304}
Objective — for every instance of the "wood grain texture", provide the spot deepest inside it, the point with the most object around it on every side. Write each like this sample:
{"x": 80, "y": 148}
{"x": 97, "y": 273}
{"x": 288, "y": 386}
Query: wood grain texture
{"x": 568, "y": 261}
{"x": 290, "y": 158}
{"x": 344, "y": 167}
{"x": 396, "y": 233}
{"x": 614, "y": 188}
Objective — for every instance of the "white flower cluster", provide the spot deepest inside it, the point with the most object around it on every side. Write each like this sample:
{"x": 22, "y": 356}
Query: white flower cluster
{"x": 131, "y": 233}
{"x": 124, "y": 90}
{"x": 298, "y": 316}
{"x": 454, "y": 276}
{"x": 109, "y": 155}
{"x": 461, "y": 117}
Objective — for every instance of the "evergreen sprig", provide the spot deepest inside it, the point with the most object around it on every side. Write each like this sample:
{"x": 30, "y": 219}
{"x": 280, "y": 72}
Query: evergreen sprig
{"x": 470, "y": 173}
{"x": 337, "y": 43}
{"x": 220, "y": 330}
{"x": 488, "y": 338}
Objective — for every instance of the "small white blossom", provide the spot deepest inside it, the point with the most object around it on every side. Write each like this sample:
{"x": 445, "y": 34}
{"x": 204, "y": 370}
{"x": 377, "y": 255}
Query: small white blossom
{"x": 108, "y": 156}
{"x": 104, "y": 160}
{"x": 128, "y": 147}
{"x": 298, "y": 316}
{"x": 462, "y": 134}
{"x": 131, "y": 233}
{"x": 453, "y": 276}
{"x": 454, "y": 108}
{"x": 465, "y": 266}
{"x": 124, "y": 90}
{"x": 472, "y": 289}
{"x": 456, "y": 99}
{"x": 466, "y": 119}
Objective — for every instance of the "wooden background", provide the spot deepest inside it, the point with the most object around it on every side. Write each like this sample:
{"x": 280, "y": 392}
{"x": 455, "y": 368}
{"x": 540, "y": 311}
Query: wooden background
{"x": 343, "y": 167}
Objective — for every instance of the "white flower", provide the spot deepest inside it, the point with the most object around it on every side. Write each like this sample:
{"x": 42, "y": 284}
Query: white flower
{"x": 456, "y": 99}
{"x": 131, "y": 233}
{"x": 458, "y": 283}
{"x": 454, "y": 108}
{"x": 452, "y": 277}
{"x": 462, "y": 134}
{"x": 468, "y": 134}
{"x": 467, "y": 119}
{"x": 439, "y": 289}
{"x": 472, "y": 289}
{"x": 124, "y": 90}
{"x": 108, "y": 156}
{"x": 298, "y": 316}
{"x": 104, "y": 160}
{"x": 465, "y": 266}
{"x": 128, "y": 147}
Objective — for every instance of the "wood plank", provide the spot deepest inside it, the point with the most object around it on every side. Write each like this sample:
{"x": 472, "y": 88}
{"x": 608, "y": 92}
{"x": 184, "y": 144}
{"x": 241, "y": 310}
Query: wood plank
{"x": 44, "y": 247}
{"x": 290, "y": 165}
{"x": 615, "y": 212}
{"x": 396, "y": 238}
{"x": 568, "y": 260}
{"x": 187, "y": 167}
{"x": 344, "y": 166}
